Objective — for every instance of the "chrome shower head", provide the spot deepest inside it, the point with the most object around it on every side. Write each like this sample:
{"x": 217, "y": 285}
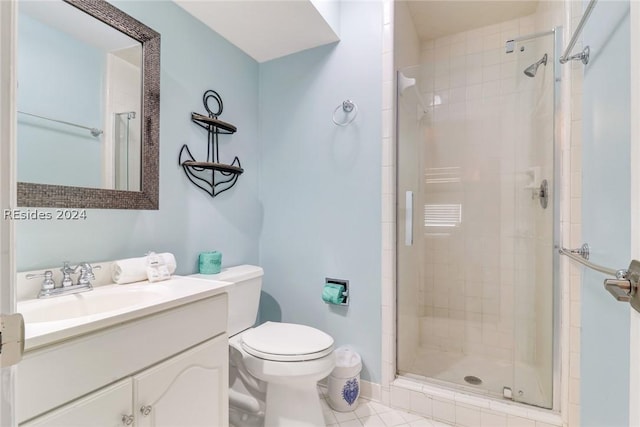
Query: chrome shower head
{"x": 531, "y": 70}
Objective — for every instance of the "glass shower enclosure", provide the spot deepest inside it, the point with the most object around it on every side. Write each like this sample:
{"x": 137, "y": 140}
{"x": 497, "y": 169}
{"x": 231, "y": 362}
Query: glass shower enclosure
{"x": 126, "y": 147}
{"x": 476, "y": 221}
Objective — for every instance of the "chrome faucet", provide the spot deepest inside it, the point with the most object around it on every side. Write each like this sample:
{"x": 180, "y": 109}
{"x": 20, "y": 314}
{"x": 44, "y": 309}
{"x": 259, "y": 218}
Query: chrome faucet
{"x": 48, "y": 285}
{"x": 49, "y": 288}
{"x": 67, "y": 271}
{"x": 86, "y": 274}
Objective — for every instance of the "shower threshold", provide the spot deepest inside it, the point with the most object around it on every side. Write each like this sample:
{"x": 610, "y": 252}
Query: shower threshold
{"x": 469, "y": 396}
{"x": 476, "y": 374}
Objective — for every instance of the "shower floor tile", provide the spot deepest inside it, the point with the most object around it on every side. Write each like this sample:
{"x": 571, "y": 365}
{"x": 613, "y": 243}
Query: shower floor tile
{"x": 495, "y": 374}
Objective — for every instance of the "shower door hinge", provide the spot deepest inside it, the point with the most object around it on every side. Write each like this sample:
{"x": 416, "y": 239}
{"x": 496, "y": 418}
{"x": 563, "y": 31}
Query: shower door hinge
{"x": 507, "y": 393}
{"x": 11, "y": 339}
{"x": 510, "y": 46}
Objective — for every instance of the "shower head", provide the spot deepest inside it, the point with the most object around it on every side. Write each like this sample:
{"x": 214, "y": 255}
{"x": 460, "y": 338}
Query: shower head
{"x": 531, "y": 70}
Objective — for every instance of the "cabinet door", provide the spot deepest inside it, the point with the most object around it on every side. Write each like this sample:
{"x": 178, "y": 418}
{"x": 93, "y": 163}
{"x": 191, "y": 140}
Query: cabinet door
{"x": 190, "y": 389}
{"x": 109, "y": 407}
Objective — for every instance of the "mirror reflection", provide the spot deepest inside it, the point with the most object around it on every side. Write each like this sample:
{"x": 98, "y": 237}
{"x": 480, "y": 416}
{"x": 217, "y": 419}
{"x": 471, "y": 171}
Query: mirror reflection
{"x": 79, "y": 100}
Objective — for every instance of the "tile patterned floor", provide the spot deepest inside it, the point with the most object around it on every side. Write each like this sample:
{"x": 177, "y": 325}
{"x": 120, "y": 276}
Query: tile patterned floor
{"x": 374, "y": 414}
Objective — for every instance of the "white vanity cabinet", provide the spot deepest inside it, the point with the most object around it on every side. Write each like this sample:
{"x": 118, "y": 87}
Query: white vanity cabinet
{"x": 189, "y": 389}
{"x": 165, "y": 369}
{"x": 109, "y": 407}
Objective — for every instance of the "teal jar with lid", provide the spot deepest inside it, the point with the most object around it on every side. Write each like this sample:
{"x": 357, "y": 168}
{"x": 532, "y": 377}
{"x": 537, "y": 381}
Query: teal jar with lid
{"x": 210, "y": 262}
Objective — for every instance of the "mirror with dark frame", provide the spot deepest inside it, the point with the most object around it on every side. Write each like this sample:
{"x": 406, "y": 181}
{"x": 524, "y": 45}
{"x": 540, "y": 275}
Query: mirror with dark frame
{"x": 88, "y": 130}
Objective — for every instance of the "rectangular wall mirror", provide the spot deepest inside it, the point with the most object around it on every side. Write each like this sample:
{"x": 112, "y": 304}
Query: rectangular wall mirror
{"x": 87, "y": 107}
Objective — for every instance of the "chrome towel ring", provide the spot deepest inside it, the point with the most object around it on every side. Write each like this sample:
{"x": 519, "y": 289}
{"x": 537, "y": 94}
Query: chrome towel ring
{"x": 349, "y": 108}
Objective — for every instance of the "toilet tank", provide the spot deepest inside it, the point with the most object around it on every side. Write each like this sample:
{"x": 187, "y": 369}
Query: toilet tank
{"x": 244, "y": 295}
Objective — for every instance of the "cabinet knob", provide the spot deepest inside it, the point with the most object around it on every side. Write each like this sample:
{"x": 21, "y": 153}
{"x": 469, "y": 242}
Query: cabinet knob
{"x": 127, "y": 420}
{"x": 145, "y": 410}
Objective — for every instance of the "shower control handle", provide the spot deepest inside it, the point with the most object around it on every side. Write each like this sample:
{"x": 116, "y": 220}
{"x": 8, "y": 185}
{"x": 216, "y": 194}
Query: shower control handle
{"x": 542, "y": 193}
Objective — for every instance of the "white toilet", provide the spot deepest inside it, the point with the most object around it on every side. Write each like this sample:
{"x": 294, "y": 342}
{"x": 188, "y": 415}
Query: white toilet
{"x": 274, "y": 367}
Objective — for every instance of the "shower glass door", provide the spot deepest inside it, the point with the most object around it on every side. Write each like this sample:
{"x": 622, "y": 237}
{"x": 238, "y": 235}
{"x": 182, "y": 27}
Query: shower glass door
{"x": 533, "y": 225}
{"x": 126, "y": 151}
{"x": 476, "y": 222}
{"x": 122, "y": 130}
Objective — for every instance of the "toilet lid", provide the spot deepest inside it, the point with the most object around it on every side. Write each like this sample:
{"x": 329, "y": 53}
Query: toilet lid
{"x": 286, "y": 342}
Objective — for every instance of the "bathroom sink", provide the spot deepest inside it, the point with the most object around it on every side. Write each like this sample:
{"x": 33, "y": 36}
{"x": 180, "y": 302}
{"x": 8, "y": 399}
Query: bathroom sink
{"x": 87, "y": 303}
{"x": 53, "y": 319}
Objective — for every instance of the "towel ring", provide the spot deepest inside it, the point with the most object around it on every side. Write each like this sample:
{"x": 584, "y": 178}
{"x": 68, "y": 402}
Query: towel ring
{"x": 348, "y": 107}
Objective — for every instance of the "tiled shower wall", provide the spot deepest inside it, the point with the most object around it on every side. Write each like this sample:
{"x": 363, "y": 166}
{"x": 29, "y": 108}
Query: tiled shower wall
{"x": 571, "y": 225}
{"x": 444, "y": 405}
{"x": 471, "y": 272}
{"x": 479, "y": 135}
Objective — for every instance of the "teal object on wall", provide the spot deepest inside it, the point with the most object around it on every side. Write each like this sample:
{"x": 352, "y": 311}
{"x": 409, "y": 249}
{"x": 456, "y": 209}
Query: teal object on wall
{"x": 333, "y": 230}
{"x": 333, "y": 293}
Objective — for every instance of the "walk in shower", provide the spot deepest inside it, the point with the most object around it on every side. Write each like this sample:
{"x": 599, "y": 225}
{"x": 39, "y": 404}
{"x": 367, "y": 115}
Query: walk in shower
{"x": 476, "y": 220}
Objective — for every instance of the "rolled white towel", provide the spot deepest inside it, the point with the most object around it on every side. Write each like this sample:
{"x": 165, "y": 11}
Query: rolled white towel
{"x": 135, "y": 269}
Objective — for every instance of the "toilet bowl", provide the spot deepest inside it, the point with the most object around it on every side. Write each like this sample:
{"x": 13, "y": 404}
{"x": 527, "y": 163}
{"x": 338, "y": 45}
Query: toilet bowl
{"x": 290, "y": 359}
{"x": 274, "y": 367}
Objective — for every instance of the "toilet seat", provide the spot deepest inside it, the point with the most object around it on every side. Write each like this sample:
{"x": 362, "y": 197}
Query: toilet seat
{"x": 286, "y": 342}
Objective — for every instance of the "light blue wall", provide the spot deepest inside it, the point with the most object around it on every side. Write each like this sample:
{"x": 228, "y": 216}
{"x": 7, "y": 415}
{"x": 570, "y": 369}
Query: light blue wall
{"x": 309, "y": 203}
{"x": 606, "y": 222}
{"x": 321, "y": 184}
{"x": 193, "y": 59}
{"x": 56, "y": 70}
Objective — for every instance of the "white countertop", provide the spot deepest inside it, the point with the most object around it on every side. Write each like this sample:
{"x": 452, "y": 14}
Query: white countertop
{"x": 68, "y": 321}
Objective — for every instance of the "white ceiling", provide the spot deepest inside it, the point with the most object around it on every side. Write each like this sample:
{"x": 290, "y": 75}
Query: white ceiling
{"x": 264, "y": 29}
{"x": 268, "y": 29}
{"x": 433, "y": 19}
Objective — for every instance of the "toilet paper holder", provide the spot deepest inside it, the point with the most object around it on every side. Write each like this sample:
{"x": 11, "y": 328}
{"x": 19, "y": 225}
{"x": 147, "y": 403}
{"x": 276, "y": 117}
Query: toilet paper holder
{"x": 341, "y": 282}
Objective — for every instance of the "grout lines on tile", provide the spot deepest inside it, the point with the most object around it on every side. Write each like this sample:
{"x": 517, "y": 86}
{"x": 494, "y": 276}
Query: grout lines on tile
{"x": 374, "y": 414}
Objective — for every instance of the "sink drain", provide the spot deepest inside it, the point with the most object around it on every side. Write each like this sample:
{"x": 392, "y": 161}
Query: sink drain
{"x": 473, "y": 380}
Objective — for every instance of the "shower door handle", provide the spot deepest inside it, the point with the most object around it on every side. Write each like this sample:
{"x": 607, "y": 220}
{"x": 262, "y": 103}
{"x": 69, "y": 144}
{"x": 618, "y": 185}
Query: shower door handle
{"x": 408, "y": 218}
{"x": 620, "y": 289}
{"x": 626, "y": 284}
